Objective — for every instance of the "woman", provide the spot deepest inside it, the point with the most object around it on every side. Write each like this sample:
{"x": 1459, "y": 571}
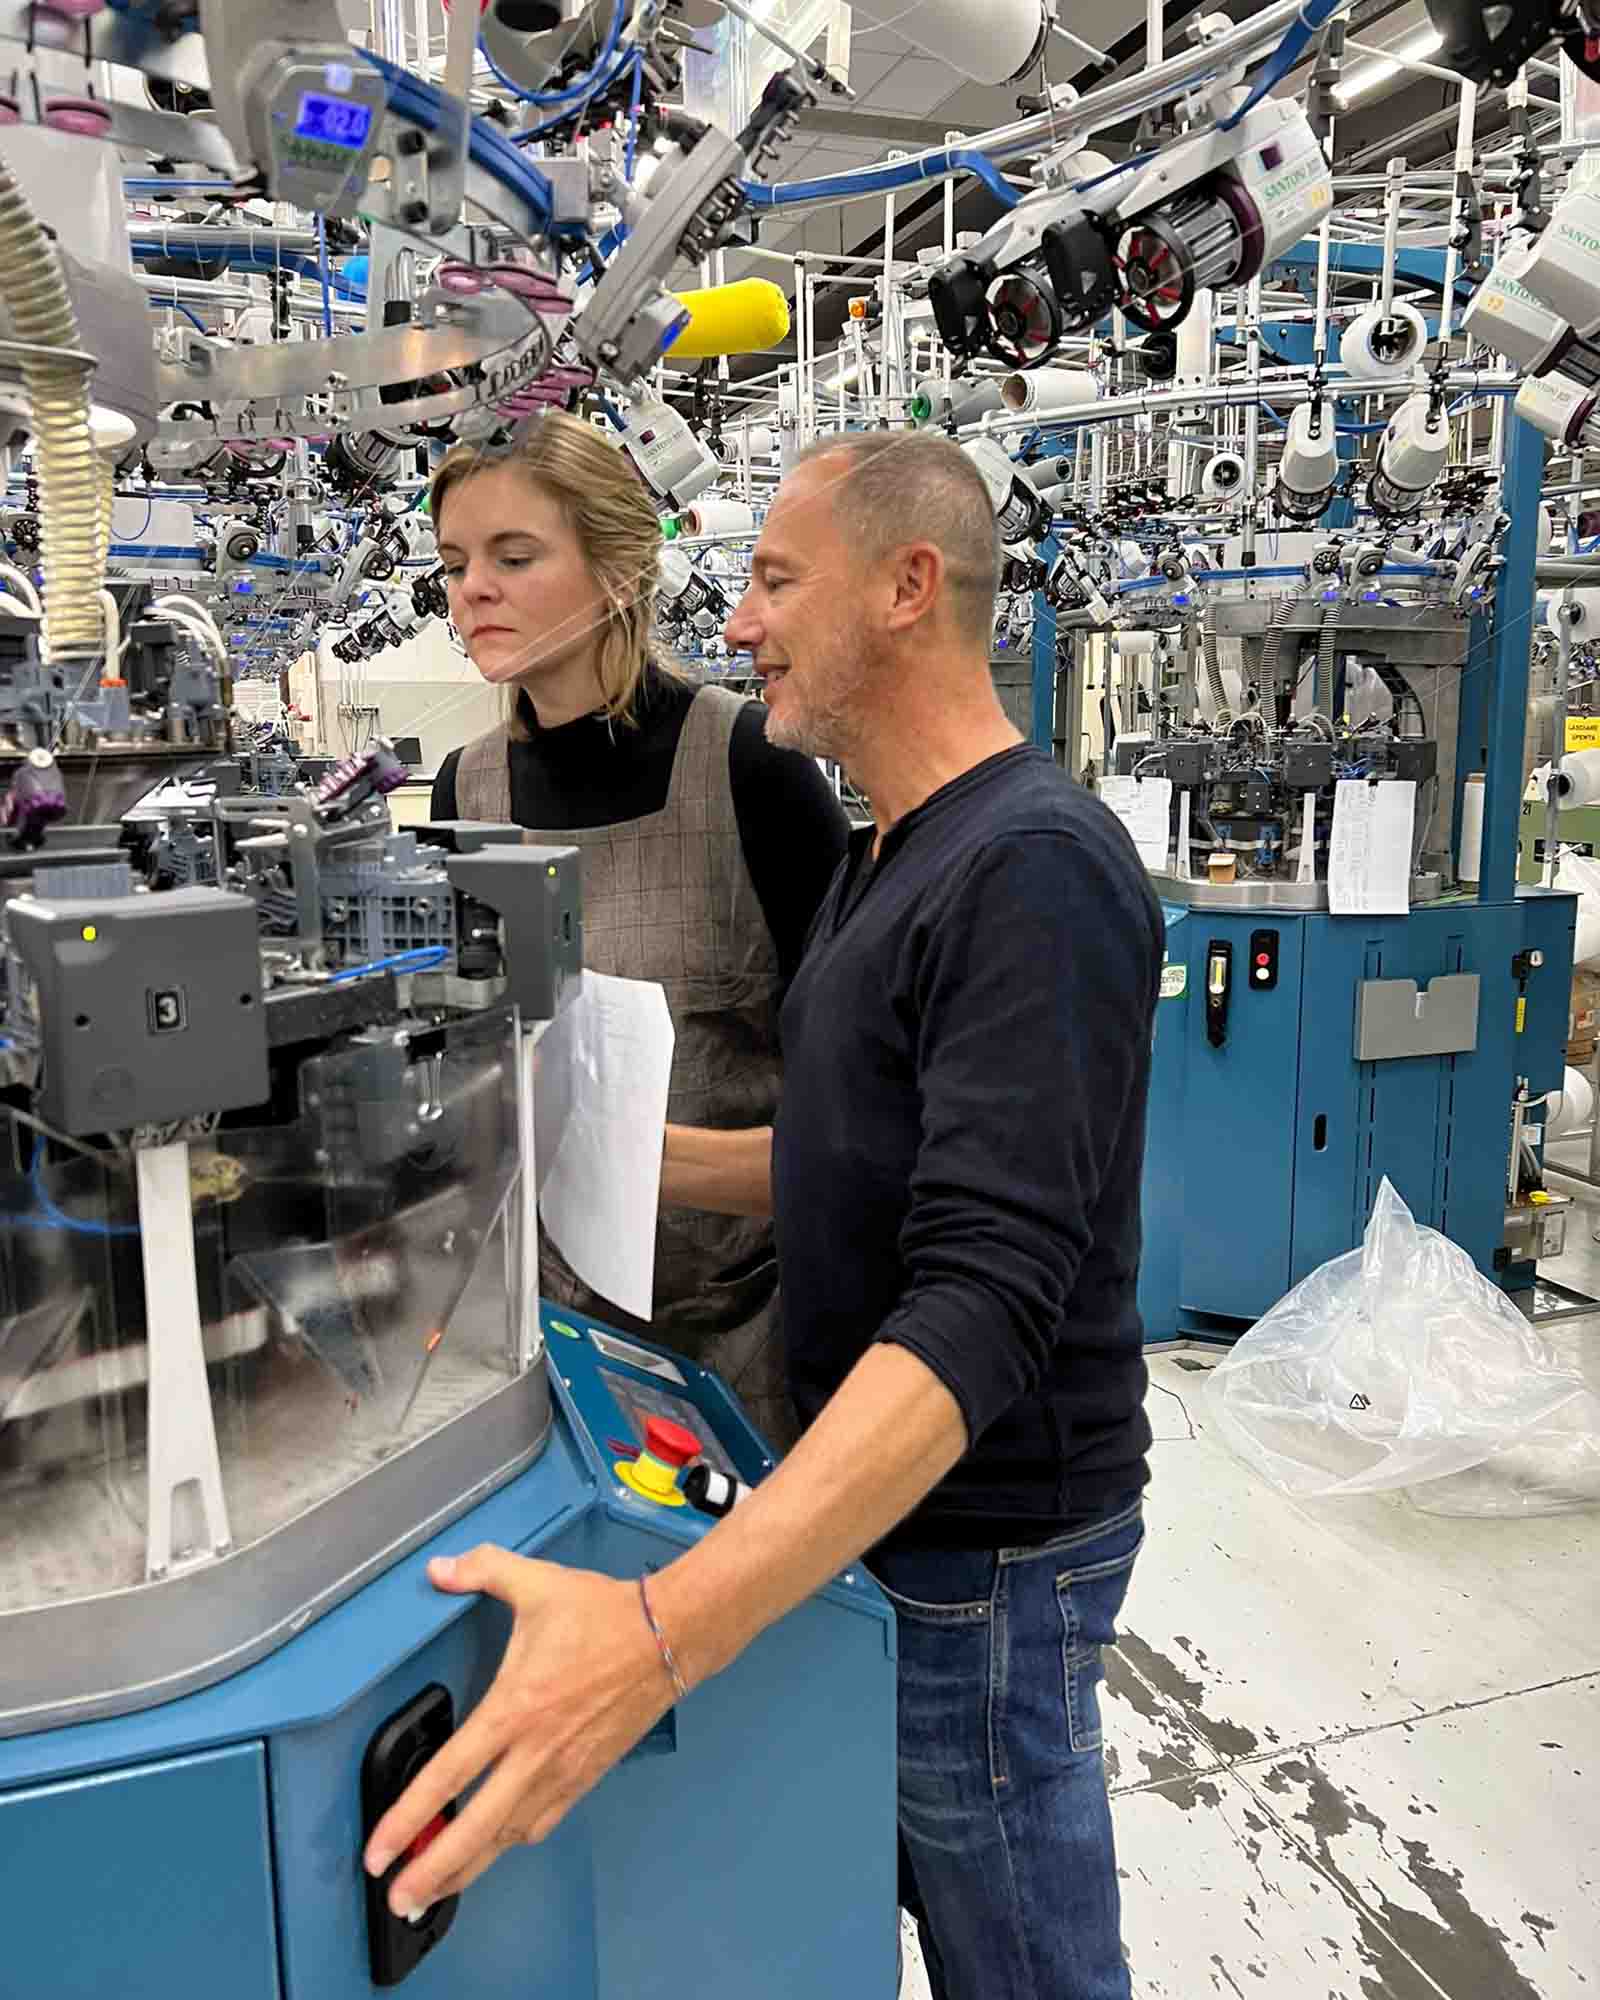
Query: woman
{"x": 705, "y": 851}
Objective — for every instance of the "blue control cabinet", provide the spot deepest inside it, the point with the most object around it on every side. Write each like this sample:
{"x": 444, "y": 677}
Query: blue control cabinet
{"x": 1279, "y": 1105}
{"x": 213, "y": 1845}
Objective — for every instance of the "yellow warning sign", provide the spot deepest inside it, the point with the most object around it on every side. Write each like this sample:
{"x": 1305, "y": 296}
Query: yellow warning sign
{"x": 1583, "y": 732}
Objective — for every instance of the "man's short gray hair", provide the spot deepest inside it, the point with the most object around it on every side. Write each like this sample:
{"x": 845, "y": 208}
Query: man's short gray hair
{"x": 905, "y": 486}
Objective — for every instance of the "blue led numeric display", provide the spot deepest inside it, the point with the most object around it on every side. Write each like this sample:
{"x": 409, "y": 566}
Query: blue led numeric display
{"x": 333, "y": 121}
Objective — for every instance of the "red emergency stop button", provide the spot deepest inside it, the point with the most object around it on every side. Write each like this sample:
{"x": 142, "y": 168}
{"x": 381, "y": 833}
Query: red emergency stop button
{"x": 653, "y": 1475}
{"x": 429, "y": 1834}
{"x": 670, "y": 1442}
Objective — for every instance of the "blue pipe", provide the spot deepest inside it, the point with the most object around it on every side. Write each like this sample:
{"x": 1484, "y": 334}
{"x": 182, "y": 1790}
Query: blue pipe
{"x": 938, "y": 166}
{"x": 239, "y": 250}
{"x": 158, "y": 185}
{"x": 177, "y": 306}
{"x": 487, "y": 148}
{"x": 1284, "y": 58}
{"x": 174, "y": 552}
{"x": 322, "y": 273}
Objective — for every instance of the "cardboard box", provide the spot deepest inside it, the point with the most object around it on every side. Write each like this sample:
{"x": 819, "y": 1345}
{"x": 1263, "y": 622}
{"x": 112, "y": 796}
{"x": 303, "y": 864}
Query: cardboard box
{"x": 1583, "y": 1016}
{"x": 1583, "y": 1019}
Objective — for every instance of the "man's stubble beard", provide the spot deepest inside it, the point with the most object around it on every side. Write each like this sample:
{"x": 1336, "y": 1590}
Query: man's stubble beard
{"x": 828, "y": 724}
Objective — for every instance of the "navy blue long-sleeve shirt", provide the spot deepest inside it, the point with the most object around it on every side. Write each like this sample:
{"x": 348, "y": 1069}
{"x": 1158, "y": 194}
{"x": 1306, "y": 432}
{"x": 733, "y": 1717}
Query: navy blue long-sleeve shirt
{"x": 958, "y": 1153}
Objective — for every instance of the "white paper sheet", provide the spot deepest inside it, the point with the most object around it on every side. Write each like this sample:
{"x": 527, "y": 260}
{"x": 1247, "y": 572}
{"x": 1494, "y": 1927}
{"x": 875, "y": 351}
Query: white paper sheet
{"x": 600, "y": 1110}
{"x": 1369, "y": 857}
{"x": 1144, "y": 805}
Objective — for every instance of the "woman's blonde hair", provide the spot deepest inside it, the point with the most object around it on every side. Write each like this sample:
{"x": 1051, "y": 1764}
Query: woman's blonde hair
{"x": 615, "y": 523}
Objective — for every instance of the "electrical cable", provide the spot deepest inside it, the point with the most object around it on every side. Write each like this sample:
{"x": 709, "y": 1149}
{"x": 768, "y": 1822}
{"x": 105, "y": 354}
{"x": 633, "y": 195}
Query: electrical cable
{"x": 177, "y": 306}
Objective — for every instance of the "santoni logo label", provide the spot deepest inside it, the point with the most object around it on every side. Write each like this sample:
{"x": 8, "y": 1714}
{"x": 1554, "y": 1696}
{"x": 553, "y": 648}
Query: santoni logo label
{"x": 1292, "y": 178}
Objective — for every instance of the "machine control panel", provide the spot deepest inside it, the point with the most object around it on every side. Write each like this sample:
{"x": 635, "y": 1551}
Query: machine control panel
{"x": 621, "y": 1390}
{"x": 640, "y": 1402}
{"x": 1263, "y": 961}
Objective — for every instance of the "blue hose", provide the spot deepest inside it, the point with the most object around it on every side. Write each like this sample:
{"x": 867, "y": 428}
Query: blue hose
{"x": 423, "y": 959}
{"x": 259, "y": 256}
{"x": 586, "y": 86}
{"x": 1284, "y": 58}
{"x": 55, "y": 1218}
{"x": 633, "y": 115}
{"x": 174, "y": 305}
{"x": 487, "y": 148}
{"x": 884, "y": 180}
{"x": 322, "y": 273}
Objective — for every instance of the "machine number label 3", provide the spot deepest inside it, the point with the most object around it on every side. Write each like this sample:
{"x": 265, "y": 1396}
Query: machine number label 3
{"x": 1174, "y": 981}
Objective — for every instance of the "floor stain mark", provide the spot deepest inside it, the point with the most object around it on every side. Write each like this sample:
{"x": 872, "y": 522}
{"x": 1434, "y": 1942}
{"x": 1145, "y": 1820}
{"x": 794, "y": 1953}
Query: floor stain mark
{"x": 1540, "y": 1926}
{"x": 1462, "y": 1950}
{"x": 1456, "y": 1949}
{"x": 1230, "y": 1740}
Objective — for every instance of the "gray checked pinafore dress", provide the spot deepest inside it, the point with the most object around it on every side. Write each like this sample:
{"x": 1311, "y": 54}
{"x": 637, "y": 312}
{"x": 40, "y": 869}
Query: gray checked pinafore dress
{"x": 669, "y": 898}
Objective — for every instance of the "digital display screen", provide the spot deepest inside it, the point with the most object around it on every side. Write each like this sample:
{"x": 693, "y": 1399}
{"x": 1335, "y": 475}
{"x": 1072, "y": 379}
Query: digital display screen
{"x": 333, "y": 121}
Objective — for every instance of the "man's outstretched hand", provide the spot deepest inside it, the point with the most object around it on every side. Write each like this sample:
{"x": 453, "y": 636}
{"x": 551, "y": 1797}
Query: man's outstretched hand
{"x": 580, "y": 1683}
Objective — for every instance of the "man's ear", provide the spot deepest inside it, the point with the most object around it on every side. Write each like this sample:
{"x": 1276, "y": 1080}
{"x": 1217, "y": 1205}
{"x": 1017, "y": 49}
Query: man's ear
{"x": 919, "y": 574}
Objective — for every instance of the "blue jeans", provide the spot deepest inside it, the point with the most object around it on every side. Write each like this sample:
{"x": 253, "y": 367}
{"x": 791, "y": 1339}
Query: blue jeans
{"x": 1006, "y": 1857}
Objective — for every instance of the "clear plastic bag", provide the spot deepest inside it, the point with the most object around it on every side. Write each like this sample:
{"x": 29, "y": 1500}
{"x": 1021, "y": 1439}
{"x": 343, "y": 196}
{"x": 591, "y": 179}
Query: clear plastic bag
{"x": 1400, "y": 1366}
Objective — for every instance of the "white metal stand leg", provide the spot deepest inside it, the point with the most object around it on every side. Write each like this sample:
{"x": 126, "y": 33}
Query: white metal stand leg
{"x": 188, "y": 1516}
{"x": 522, "y": 1231}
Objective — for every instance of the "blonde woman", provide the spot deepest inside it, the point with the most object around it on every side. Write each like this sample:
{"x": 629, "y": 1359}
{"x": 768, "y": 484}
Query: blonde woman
{"x": 706, "y": 851}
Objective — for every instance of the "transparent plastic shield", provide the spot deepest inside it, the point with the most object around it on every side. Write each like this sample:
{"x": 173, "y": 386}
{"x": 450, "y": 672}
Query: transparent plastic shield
{"x": 380, "y": 1261}
{"x": 73, "y": 1377}
{"x": 354, "y": 1292}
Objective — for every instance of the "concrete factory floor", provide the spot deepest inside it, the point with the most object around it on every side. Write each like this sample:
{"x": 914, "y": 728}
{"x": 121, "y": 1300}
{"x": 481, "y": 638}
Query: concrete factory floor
{"x": 1354, "y": 1750}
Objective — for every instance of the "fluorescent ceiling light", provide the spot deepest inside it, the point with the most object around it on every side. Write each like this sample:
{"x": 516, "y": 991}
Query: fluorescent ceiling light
{"x": 1369, "y": 75}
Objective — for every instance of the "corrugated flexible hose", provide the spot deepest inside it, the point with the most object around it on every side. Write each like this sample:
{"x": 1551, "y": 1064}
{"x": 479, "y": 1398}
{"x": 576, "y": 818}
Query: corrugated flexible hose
{"x": 1327, "y": 631}
{"x": 72, "y": 545}
{"x": 1214, "y": 680}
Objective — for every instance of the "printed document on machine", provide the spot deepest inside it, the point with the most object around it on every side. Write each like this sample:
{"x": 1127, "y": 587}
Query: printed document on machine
{"x": 1369, "y": 857}
{"x": 601, "y": 1071}
{"x": 1144, "y": 805}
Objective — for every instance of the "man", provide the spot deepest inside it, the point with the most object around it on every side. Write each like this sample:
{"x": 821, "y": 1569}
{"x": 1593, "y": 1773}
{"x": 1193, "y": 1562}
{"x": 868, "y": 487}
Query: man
{"x": 955, "y": 1176}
